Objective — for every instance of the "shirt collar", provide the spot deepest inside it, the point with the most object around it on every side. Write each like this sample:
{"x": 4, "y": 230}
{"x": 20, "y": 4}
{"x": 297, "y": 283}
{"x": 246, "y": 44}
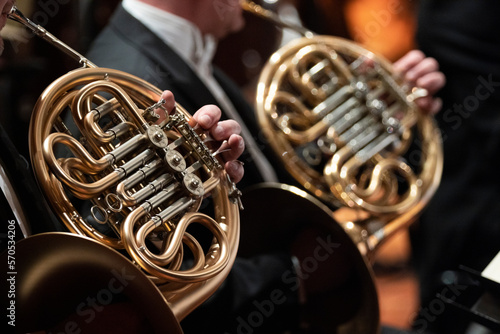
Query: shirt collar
{"x": 180, "y": 34}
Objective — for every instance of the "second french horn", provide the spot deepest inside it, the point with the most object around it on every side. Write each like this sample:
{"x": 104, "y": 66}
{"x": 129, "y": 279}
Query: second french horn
{"x": 348, "y": 131}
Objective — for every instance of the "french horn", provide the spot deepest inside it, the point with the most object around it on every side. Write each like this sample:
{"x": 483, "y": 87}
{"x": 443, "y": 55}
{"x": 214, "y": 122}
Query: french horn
{"x": 348, "y": 130}
{"x": 119, "y": 169}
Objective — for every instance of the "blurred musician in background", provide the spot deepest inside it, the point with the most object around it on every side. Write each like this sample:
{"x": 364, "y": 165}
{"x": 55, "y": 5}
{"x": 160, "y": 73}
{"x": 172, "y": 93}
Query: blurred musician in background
{"x": 5, "y": 6}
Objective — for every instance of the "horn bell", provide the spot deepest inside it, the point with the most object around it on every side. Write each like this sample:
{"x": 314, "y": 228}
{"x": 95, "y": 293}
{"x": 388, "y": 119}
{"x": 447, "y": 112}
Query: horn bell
{"x": 64, "y": 281}
{"x": 334, "y": 281}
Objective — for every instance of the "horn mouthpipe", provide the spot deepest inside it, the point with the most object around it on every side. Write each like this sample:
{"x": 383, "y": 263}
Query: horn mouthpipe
{"x": 16, "y": 15}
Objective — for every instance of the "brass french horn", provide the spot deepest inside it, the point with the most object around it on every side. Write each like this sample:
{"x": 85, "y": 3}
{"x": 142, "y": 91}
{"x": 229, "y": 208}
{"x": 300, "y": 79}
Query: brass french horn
{"x": 114, "y": 171}
{"x": 348, "y": 131}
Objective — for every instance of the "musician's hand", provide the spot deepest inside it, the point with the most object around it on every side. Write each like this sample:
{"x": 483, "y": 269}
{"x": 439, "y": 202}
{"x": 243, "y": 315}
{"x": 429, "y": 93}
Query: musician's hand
{"x": 5, "y": 7}
{"x": 420, "y": 71}
{"x": 207, "y": 117}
